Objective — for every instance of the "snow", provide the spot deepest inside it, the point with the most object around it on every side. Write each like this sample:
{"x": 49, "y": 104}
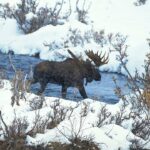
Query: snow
{"x": 112, "y": 16}
{"x": 30, "y": 15}
{"x": 109, "y": 15}
{"x": 108, "y": 136}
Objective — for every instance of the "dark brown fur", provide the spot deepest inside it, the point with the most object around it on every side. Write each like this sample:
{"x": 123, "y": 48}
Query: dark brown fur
{"x": 68, "y": 73}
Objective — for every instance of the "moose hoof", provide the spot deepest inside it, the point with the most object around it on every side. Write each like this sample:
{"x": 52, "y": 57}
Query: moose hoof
{"x": 39, "y": 93}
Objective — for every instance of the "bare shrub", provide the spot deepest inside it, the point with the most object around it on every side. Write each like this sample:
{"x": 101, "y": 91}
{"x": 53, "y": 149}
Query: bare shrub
{"x": 89, "y": 145}
{"x": 85, "y": 110}
{"x": 139, "y": 98}
{"x": 103, "y": 115}
{"x": 76, "y": 38}
{"x": 82, "y": 11}
{"x": 39, "y": 124}
{"x": 59, "y": 113}
{"x": 56, "y": 115}
{"x": 86, "y": 144}
{"x": 119, "y": 46}
{"x": 88, "y": 36}
{"x": 30, "y": 18}
{"x": 140, "y": 2}
{"x": 76, "y": 128}
{"x": 100, "y": 37}
{"x": 36, "y": 102}
{"x": 141, "y": 128}
{"x": 106, "y": 117}
{"x": 83, "y": 144}
{"x": 20, "y": 84}
{"x": 136, "y": 145}
{"x": 14, "y": 134}
{"x": 57, "y": 146}
{"x": 145, "y": 80}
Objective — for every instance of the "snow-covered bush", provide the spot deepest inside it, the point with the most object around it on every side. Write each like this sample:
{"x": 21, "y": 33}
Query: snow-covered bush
{"x": 82, "y": 11}
{"x": 36, "y": 102}
{"x": 13, "y": 134}
{"x": 100, "y": 37}
{"x": 30, "y": 16}
{"x": 19, "y": 84}
{"x": 58, "y": 114}
{"x": 77, "y": 37}
{"x": 140, "y": 2}
{"x": 140, "y": 82}
{"x": 139, "y": 99}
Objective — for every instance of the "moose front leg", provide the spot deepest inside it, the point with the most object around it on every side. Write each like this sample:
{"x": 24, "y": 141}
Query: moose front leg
{"x": 43, "y": 86}
{"x": 64, "y": 91}
{"x": 82, "y": 91}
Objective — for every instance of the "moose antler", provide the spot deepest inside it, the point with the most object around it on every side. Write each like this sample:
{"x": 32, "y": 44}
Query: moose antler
{"x": 73, "y": 55}
{"x": 98, "y": 59}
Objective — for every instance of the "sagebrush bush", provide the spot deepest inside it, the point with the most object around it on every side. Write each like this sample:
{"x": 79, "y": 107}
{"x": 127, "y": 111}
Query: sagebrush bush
{"x": 30, "y": 17}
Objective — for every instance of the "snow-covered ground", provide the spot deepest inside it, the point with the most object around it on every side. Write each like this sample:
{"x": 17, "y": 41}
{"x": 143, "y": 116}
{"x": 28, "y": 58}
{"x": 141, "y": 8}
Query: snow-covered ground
{"x": 83, "y": 119}
{"x": 112, "y": 16}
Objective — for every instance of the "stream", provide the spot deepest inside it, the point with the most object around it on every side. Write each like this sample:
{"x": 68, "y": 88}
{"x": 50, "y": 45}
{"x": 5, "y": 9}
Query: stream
{"x": 100, "y": 90}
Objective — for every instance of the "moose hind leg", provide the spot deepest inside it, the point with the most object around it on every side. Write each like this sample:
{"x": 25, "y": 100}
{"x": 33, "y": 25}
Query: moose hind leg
{"x": 64, "y": 91}
{"x": 82, "y": 91}
{"x": 43, "y": 86}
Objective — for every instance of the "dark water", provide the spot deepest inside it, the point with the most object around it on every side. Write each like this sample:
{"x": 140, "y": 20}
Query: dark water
{"x": 100, "y": 90}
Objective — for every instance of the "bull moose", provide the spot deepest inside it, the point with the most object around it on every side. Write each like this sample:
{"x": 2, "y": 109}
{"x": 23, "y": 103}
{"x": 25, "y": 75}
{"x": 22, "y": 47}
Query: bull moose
{"x": 70, "y": 72}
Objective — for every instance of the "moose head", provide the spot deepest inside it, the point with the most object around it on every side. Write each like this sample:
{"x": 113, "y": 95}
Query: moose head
{"x": 70, "y": 72}
{"x": 99, "y": 60}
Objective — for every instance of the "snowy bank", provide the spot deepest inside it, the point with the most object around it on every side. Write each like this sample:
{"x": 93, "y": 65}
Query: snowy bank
{"x": 85, "y": 119}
